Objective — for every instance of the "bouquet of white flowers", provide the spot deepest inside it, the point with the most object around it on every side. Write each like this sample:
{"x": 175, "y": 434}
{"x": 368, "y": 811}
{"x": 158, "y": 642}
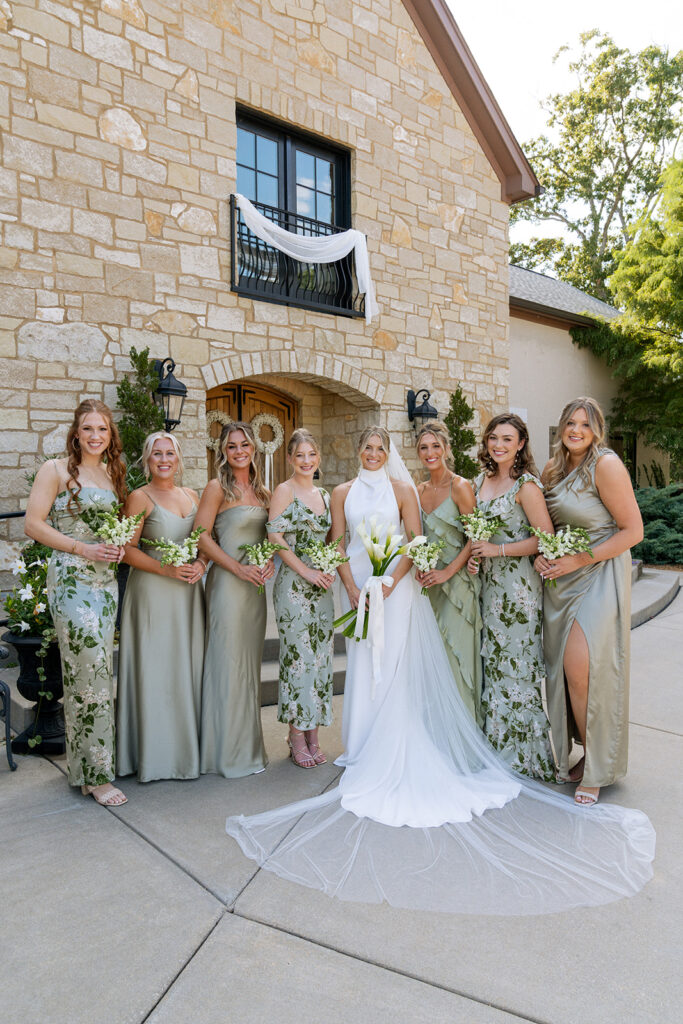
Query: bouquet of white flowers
{"x": 108, "y": 525}
{"x": 479, "y": 525}
{"x": 569, "y": 540}
{"x": 425, "y": 557}
{"x": 259, "y": 554}
{"x": 383, "y": 544}
{"x": 325, "y": 557}
{"x": 177, "y": 554}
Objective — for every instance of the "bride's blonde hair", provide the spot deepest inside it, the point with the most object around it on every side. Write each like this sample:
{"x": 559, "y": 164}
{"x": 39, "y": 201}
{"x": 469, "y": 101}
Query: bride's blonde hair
{"x": 558, "y": 467}
{"x": 381, "y": 433}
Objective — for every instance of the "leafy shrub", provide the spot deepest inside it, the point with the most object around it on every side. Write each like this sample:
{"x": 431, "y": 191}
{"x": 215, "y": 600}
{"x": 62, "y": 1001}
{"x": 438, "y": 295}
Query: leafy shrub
{"x": 662, "y": 512}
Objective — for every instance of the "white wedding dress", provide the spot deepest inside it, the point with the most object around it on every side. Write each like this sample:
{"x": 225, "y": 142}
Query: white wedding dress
{"x": 426, "y": 815}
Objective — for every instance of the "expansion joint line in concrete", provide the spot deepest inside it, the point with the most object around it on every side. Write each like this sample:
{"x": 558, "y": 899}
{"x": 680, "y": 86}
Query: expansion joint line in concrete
{"x": 182, "y": 968}
{"x": 654, "y": 728}
{"x": 394, "y": 970}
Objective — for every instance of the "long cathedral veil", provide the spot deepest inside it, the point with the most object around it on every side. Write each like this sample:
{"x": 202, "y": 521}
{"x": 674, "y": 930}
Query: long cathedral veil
{"x": 482, "y": 839}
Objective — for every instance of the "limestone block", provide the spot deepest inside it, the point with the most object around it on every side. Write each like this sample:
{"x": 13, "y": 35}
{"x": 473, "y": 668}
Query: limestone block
{"x": 161, "y": 258}
{"x": 313, "y": 53}
{"x": 400, "y": 233}
{"x": 225, "y": 14}
{"x": 119, "y": 127}
{"x": 183, "y": 177}
{"x": 104, "y": 309}
{"x": 198, "y": 221}
{"x": 54, "y": 443}
{"x": 62, "y": 342}
{"x": 199, "y": 260}
{"x": 154, "y": 222}
{"x": 76, "y": 167}
{"x": 384, "y": 340}
{"x": 65, "y": 118}
{"x": 451, "y": 216}
{"x": 405, "y": 51}
{"x": 138, "y": 93}
{"x": 435, "y": 320}
{"x": 139, "y": 166}
{"x": 222, "y": 318}
{"x": 189, "y": 352}
{"x": 8, "y": 258}
{"x": 188, "y": 86}
{"x": 127, "y": 10}
{"x": 173, "y": 322}
{"x": 17, "y": 302}
{"x": 432, "y": 98}
{"x": 6, "y": 16}
{"x": 459, "y": 293}
{"x": 25, "y": 155}
{"x": 13, "y": 419}
{"x": 108, "y": 48}
{"x": 129, "y": 282}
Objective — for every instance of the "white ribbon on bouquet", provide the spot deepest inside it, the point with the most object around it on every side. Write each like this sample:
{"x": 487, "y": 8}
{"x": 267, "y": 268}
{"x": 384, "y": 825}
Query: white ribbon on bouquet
{"x": 373, "y": 587}
{"x": 306, "y": 249}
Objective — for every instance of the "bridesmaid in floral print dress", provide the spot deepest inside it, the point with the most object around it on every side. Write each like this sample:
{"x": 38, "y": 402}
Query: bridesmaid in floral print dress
{"x": 82, "y": 590}
{"x": 299, "y": 514}
{"x": 512, "y": 600}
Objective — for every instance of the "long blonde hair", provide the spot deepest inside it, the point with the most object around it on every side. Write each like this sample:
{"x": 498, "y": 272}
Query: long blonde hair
{"x": 558, "y": 467}
{"x": 439, "y": 431}
{"x": 147, "y": 447}
{"x": 226, "y": 477}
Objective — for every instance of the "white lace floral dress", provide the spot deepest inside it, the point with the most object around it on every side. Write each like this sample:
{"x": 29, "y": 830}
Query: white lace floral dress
{"x": 83, "y": 598}
{"x": 512, "y": 646}
{"x": 304, "y": 614}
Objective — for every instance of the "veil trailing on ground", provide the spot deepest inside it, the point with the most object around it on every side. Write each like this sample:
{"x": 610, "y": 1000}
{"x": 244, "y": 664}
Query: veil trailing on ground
{"x": 426, "y": 815}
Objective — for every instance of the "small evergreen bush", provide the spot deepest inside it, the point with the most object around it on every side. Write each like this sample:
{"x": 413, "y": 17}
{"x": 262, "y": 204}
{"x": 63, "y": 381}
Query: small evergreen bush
{"x": 662, "y": 512}
{"x": 462, "y": 437}
{"x": 140, "y": 415}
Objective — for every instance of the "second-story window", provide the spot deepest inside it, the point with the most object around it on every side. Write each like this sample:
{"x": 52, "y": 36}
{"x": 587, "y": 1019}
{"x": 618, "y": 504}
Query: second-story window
{"x": 302, "y": 184}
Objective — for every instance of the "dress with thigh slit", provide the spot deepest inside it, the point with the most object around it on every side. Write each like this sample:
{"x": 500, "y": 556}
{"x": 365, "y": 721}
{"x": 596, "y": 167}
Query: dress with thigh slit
{"x": 598, "y": 598}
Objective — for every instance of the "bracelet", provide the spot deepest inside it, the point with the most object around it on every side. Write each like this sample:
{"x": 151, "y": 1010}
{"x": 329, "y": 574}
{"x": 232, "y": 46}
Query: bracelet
{"x": 502, "y": 549}
{"x": 73, "y": 549}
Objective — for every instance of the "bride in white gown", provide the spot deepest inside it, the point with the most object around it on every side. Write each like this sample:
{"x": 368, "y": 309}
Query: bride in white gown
{"x": 425, "y": 814}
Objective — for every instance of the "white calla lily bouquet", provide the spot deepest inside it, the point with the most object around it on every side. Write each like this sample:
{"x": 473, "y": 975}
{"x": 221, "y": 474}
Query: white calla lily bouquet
{"x": 383, "y": 543}
{"x": 569, "y": 540}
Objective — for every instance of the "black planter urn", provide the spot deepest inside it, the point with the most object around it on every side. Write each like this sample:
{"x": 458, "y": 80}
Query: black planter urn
{"x": 48, "y": 716}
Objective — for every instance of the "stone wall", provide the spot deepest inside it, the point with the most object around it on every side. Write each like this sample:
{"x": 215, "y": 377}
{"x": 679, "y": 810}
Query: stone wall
{"x": 118, "y": 158}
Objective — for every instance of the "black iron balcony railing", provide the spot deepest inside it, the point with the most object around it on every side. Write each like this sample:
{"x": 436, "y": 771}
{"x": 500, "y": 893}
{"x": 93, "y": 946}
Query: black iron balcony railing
{"x": 265, "y": 273}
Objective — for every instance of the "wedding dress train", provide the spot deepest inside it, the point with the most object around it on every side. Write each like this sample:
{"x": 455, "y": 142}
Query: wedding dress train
{"x": 426, "y": 815}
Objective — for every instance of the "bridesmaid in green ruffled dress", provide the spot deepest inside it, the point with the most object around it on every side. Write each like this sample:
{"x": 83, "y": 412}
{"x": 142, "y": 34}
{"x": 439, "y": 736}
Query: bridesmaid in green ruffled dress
{"x": 233, "y": 511}
{"x": 512, "y": 600}
{"x": 453, "y": 592}
{"x": 161, "y": 651}
{"x": 82, "y": 590}
{"x": 304, "y": 608}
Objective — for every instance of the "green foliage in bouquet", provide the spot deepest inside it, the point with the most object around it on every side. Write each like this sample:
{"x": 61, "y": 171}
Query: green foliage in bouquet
{"x": 462, "y": 437}
{"x": 662, "y": 512}
{"x": 140, "y": 415}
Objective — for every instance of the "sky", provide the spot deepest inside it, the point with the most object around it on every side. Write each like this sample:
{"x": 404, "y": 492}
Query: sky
{"x": 514, "y": 46}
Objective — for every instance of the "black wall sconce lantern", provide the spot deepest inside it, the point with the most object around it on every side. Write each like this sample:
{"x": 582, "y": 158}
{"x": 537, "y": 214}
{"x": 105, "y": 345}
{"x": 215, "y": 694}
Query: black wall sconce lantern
{"x": 419, "y": 414}
{"x": 170, "y": 393}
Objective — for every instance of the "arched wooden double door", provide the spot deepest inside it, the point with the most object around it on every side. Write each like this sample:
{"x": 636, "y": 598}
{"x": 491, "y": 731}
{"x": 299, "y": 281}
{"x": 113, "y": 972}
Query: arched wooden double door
{"x": 242, "y": 401}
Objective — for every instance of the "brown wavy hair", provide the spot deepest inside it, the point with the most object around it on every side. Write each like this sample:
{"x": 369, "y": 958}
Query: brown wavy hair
{"x": 442, "y": 436}
{"x": 224, "y": 473}
{"x": 524, "y": 460}
{"x": 116, "y": 469}
{"x": 558, "y": 465}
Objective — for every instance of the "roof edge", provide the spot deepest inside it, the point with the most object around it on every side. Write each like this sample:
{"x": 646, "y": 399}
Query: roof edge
{"x": 445, "y": 42}
{"x": 582, "y": 319}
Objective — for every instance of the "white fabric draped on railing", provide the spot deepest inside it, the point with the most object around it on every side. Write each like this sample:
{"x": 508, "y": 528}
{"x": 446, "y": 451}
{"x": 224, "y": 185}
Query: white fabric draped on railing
{"x": 327, "y": 249}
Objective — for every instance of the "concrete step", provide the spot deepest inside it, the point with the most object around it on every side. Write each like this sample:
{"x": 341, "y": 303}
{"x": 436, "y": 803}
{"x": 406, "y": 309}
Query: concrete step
{"x": 636, "y": 571}
{"x": 653, "y": 591}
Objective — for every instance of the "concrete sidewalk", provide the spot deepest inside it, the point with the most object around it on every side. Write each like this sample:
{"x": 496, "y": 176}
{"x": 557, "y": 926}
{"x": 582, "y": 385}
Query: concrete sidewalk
{"x": 150, "y": 913}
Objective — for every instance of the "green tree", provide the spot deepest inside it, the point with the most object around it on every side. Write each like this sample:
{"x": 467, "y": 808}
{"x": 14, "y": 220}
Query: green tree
{"x": 600, "y": 164}
{"x": 140, "y": 415}
{"x": 645, "y": 344}
{"x": 462, "y": 437}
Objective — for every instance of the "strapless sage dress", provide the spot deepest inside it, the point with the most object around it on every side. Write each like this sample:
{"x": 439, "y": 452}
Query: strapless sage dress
{"x": 456, "y": 606}
{"x": 598, "y": 597}
{"x": 231, "y": 736}
{"x": 161, "y": 653}
{"x": 83, "y": 597}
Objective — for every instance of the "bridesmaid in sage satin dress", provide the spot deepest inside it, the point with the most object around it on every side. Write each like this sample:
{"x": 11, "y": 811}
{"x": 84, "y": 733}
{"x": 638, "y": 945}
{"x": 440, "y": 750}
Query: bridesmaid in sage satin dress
{"x": 82, "y": 591}
{"x": 587, "y": 614}
{"x": 233, "y": 511}
{"x": 161, "y": 651}
{"x": 453, "y": 591}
